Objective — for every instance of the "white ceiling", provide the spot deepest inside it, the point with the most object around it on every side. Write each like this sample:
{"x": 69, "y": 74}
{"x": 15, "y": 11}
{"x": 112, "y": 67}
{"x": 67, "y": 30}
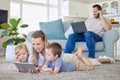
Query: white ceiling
{"x": 91, "y": 1}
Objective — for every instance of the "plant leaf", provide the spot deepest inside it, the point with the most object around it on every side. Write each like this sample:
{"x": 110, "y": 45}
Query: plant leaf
{"x": 4, "y": 45}
{"x": 19, "y": 40}
{"x": 13, "y": 41}
{"x": 5, "y": 26}
{"x": 14, "y": 23}
{"x": 8, "y": 42}
{"x": 18, "y": 21}
{"x": 6, "y": 32}
{"x": 24, "y": 26}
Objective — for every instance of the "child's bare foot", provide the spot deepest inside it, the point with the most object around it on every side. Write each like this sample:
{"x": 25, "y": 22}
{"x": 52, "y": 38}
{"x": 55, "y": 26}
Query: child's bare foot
{"x": 79, "y": 51}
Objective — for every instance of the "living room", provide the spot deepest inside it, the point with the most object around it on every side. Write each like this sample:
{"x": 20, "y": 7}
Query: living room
{"x": 33, "y": 12}
{"x": 66, "y": 10}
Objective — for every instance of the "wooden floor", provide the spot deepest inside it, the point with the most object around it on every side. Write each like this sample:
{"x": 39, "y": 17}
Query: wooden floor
{"x": 1, "y": 52}
{"x": 2, "y": 58}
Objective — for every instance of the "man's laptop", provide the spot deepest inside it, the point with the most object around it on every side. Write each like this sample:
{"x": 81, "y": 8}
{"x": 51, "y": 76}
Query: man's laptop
{"x": 79, "y": 27}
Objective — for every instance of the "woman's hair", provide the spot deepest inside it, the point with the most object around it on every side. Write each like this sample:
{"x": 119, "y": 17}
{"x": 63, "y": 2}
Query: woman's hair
{"x": 56, "y": 48}
{"x": 38, "y": 34}
{"x": 20, "y": 47}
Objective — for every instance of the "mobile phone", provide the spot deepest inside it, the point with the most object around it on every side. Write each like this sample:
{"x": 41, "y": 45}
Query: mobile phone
{"x": 98, "y": 15}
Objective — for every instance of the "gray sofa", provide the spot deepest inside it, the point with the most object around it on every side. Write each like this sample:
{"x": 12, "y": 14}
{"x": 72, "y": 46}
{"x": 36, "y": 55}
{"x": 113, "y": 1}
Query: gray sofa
{"x": 106, "y": 47}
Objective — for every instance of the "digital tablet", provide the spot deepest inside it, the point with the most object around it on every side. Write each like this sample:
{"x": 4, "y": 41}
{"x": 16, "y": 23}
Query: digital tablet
{"x": 25, "y": 66}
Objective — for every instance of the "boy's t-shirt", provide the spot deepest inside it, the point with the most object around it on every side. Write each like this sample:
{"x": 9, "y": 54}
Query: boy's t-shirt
{"x": 59, "y": 63}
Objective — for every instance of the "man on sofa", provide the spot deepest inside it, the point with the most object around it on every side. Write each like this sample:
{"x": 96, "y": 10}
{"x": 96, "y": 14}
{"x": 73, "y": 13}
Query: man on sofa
{"x": 96, "y": 26}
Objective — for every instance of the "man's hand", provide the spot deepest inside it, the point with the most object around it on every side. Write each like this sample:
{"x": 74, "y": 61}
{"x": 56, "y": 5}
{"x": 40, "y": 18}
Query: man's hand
{"x": 101, "y": 14}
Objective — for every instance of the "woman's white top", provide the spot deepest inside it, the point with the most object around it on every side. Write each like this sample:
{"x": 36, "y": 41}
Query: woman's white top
{"x": 30, "y": 57}
{"x": 41, "y": 60}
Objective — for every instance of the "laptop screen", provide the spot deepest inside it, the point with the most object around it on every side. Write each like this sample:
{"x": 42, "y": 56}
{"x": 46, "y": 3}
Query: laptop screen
{"x": 79, "y": 27}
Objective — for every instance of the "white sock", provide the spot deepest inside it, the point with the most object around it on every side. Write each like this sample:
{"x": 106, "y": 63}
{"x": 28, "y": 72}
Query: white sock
{"x": 95, "y": 62}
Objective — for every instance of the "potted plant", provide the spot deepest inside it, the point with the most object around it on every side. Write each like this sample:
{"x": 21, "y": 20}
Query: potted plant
{"x": 11, "y": 30}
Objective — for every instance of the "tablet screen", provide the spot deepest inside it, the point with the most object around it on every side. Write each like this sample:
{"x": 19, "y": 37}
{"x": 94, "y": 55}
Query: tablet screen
{"x": 25, "y": 66}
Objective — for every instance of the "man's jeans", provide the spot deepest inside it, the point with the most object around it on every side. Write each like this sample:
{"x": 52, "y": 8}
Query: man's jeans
{"x": 89, "y": 37}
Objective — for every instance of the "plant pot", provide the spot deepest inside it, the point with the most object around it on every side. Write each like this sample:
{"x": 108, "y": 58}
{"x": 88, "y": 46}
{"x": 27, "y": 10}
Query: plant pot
{"x": 10, "y": 53}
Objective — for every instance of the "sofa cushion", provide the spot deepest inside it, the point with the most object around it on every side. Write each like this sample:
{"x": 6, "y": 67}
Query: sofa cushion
{"x": 29, "y": 39}
{"x": 67, "y": 24}
{"x": 99, "y": 46}
{"x": 68, "y": 32}
{"x": 62, "y": 42}
{"x": 53, "y": 29}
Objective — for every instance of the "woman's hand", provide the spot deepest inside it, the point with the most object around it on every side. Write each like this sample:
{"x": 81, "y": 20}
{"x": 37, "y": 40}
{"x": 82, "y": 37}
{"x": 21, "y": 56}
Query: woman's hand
{"x": 21, "y": 70}
{"x": 33, "y": 61}
{"x": 31, "y": 71}
{"x": 38, "y": 68}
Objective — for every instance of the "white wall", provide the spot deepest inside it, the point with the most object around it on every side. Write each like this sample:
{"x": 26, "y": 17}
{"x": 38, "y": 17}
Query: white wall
{"x": 5, "y": 5}
{"x": 74, "y": 10}
{"x": 78, "y": 9}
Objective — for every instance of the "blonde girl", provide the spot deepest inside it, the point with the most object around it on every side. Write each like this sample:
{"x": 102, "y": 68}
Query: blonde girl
{"x": 22, "y": 54}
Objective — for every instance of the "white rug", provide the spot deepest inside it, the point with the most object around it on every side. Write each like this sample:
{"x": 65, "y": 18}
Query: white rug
{"x": 104, "y": 72}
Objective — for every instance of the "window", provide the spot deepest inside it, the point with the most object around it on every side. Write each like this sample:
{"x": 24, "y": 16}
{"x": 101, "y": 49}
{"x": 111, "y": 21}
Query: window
{"x": 34, "y": 11}
{"x": 114, "y": 7}
{"x": 53, "y": 13}
{"x": 37, "y": 1}
{"x": 53, "y": 2}
{"x": 105, "y": 8}
{"x": 33, "y": 15}
{"x": 15, "y": 10}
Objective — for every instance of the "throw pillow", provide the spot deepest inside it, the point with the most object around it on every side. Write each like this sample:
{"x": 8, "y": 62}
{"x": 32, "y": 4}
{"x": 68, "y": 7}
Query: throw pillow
{"x": 67, "y": 24}
{"x": 53, "y": 29}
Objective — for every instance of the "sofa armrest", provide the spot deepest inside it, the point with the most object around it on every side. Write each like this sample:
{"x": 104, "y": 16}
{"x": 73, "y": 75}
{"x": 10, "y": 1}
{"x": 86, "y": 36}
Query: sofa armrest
{"x": 109, "y": 37}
